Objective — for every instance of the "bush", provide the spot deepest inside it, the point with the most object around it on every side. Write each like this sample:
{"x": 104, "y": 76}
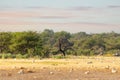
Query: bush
{"x": 25, "y": 56}
{"x": 0, "y": 56}
{"x": 13, "y": 56}
{"x": 85, "y": 52}
{"x": 58, "y": 57}
{"x": 6, "y": 56}
{"x": 19, "y": 56}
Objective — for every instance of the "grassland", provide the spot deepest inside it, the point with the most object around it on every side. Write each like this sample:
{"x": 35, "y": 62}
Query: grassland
{"x": 80, "y": 68}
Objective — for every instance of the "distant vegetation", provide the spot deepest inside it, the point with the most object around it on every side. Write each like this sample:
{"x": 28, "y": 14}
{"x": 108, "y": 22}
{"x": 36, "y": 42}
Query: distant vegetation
{"x": 46, "y": 44}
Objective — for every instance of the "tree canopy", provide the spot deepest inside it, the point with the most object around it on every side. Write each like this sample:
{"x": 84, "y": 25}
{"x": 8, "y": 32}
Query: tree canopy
{"x": 48, "y": 42}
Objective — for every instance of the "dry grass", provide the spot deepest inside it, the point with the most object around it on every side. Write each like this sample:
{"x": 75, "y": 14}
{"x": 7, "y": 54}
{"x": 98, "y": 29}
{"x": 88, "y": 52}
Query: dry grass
{"x": 93, "y": 65}
{"x": 82, "y": 62}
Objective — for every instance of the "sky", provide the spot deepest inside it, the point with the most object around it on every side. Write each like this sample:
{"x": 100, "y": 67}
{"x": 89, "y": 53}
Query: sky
{"x": 91, "y": 16}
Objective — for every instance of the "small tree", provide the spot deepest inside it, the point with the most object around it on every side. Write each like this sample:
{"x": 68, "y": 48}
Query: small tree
{"x": 64, "y": 45}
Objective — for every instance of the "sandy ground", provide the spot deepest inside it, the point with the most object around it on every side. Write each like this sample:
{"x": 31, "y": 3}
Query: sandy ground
{"x": 82, "y": 68}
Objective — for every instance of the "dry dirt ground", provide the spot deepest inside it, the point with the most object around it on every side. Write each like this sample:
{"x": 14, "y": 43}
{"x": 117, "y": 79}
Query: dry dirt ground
{"x": 82, "y": 68}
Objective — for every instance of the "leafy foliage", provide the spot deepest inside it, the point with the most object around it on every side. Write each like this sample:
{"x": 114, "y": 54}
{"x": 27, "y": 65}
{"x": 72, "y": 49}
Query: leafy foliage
{"x": 45, "y": 44}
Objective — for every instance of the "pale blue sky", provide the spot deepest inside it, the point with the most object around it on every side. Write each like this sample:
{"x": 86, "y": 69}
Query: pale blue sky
{"x": 58, "y": 3}
{"x": 98, "y": 14}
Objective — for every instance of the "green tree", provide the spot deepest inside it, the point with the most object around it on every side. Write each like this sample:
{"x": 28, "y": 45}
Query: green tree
{"x": 25, "y": 42}
{"x": 5, "y": 38}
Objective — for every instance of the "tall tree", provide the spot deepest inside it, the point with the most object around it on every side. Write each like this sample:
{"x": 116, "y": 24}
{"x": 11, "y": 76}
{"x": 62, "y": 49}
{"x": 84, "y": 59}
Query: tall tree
{"x": 25, "y": 42}
{"x": 5, "y": 38}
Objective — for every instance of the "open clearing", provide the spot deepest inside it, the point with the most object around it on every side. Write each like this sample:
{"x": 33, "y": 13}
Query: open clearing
{"x": 80, "y": 68}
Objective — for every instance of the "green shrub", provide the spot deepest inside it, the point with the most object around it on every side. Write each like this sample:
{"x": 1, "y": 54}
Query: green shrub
{"x": 13, "y": 55}
{"x": 6, "y": 55}
{"x": 0, "y": 56}
{"x": 25, "y": 56}
{"x": 58, "y": 57}
{"x": 19, "y": 56}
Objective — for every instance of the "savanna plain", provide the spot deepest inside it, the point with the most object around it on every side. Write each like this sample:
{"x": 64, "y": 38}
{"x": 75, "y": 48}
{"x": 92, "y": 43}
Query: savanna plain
{"x": 75, "y": 68}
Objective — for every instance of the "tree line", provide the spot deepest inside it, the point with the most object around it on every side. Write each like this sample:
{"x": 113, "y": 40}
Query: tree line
{"x": 49, "y": 43}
